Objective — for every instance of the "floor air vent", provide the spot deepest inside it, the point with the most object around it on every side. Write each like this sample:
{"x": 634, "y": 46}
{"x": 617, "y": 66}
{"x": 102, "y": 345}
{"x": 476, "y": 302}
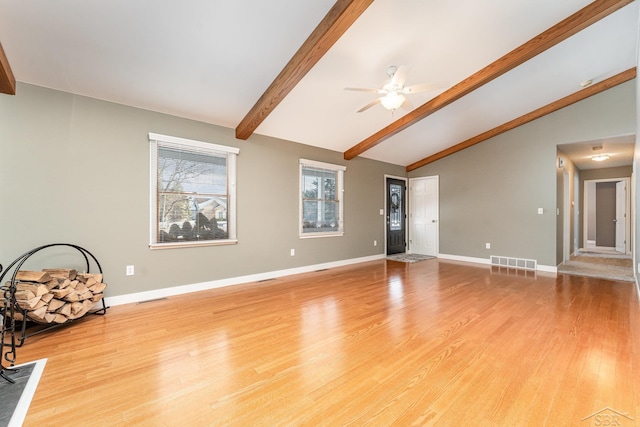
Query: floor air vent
{"x": 509, "y": 262}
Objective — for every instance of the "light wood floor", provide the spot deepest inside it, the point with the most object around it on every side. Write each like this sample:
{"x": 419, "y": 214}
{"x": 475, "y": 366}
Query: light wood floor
{"x": 379, "y": 343}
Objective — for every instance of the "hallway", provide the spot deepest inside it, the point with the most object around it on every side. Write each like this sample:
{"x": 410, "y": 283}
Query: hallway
{"x": 599, "y": 263}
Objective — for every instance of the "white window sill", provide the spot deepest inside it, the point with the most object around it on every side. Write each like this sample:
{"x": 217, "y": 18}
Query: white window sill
{"x": 321, "y": 234}
{"x": 175, "y": 245}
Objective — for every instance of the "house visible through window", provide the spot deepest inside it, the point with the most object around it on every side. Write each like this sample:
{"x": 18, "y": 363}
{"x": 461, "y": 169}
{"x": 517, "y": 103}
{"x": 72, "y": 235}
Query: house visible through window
{"x": 192, "y": 192}
{"x": 321, "y": 199}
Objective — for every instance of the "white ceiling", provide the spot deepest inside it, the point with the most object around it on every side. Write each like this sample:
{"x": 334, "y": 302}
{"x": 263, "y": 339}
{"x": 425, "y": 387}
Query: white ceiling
{"x": 210, "y": 60}
{"x": 619, "y": 149}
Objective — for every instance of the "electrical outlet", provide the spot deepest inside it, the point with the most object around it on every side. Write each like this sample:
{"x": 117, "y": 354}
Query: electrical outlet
{"x": 487, "y": 245}
{"x": 130, "y": 270}
{"x": 375, "y": 243}
{"x": 540, "y": 211}
{"x": 293, "y": 252}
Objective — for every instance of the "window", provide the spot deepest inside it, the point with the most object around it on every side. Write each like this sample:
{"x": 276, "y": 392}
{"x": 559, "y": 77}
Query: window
{"x": 321, "y": 201}
{"x": 193, "y": 195}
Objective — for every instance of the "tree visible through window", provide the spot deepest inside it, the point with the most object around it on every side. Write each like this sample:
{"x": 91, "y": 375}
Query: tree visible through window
{"x": 193, "y": 193}
{"x": 321, "y": 198}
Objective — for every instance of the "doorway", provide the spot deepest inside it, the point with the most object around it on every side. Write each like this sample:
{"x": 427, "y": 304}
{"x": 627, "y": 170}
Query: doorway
{"x": 396, "y": 190}
{"x": 606, "y": 215}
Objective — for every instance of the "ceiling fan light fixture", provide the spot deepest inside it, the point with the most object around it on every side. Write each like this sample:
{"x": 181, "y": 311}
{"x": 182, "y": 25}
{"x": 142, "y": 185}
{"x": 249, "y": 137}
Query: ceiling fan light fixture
{"x": 392, "y": 101}
{"x": 600, "y": 157}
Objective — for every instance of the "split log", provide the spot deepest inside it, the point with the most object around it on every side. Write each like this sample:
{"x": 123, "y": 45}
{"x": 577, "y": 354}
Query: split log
{"x": 60, "y": 318}
{"x": 72, "y": 296}
{"x": 47, "y": 297}
{"x": 29, "y": 304}
{"x": 24, "y": 295}
{"x": 38, "y": 315}
{"x": 65, "y": 310}
{"x": 38, "y": 290}
{"x": 76, "y": 307}
{"x": 33, "y": 276}
{"x": 55, "y": 304}
{"x": 61, "y": 293}
{"x": 84, "y": 277}
{"x": 98, "y": 288}
{"x": 63, "y": 273}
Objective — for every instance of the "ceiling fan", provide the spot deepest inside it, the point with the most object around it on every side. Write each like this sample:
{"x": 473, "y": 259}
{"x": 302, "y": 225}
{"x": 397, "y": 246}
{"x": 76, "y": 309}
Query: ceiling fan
{"x": 394, "y": 90}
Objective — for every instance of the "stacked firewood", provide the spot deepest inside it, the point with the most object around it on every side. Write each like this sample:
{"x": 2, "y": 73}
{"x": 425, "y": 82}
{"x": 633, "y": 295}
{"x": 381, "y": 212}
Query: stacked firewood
{"x": 56, "y": 295}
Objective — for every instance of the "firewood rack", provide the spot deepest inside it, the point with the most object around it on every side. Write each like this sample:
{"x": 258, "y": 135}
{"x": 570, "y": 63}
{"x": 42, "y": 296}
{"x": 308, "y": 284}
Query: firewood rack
{"x": 10, "y": 337}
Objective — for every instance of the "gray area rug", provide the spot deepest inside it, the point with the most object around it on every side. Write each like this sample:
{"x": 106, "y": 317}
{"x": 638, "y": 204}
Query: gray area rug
{"x": 16, "y": 398}
{"x": 409, "y": 257}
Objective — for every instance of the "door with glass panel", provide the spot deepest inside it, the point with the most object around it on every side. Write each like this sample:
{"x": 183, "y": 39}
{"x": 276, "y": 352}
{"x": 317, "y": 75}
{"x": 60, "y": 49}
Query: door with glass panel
{"x": 396, "y": 216}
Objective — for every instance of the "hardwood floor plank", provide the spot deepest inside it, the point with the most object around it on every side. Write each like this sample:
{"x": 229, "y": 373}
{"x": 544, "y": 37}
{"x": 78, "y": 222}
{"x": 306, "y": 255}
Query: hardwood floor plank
{"x": 379, "y": 343}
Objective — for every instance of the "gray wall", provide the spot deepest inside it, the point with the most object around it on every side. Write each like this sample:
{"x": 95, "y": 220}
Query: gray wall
{"x": 569, "y": 172}
{"x": 491, "y": 191}
{"x": 635, "y": 185}
{"x": 75, "y": 169}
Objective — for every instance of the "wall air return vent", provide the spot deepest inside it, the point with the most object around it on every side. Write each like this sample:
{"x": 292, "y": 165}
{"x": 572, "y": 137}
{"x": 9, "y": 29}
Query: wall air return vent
{"x": 518, "y": 263}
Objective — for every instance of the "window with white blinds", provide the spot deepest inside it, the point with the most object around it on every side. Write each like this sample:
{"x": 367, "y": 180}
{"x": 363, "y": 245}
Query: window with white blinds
{"x": 193, "y": 192}
{"x": 321, "y": 199}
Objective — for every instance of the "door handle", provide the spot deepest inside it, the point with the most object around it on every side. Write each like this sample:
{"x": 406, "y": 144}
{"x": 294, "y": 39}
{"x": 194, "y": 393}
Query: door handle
{"x": 434, "y": 220}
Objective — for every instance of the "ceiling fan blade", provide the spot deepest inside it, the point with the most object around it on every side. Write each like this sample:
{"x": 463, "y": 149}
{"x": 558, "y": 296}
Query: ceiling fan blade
{"x": 364, "y": 89}
{"x": 400, "y": 76}
{"x": 369, "y": 105}
{"x": 424, "y": 87}
{"x": 407, "y": 105}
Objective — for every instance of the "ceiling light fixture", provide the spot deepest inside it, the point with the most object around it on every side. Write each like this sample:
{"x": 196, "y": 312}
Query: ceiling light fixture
{"x": 392, "y": 100}
{"x": 600, "y": 157}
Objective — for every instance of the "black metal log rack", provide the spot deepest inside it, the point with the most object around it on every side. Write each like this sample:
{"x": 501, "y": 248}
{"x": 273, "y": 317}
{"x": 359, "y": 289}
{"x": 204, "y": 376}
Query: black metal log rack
{"x": 12, "y": 337}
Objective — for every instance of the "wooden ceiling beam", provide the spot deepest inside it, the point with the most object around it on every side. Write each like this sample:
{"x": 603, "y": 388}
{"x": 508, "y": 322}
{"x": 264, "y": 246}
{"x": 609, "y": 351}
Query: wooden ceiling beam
{"x": 549, "y": 38}
{"x": 620, "y": 78}
{"x": 341, "y": 16}
{"x": 7, "y": 80}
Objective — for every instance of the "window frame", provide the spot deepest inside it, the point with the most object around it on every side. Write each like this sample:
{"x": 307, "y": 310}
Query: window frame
{"x": 339, "y": 171}
{"x": 231, "y": 153}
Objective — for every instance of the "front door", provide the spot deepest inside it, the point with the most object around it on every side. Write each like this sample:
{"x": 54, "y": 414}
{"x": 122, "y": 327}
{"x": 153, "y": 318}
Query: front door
{"x": 396, "y": 216}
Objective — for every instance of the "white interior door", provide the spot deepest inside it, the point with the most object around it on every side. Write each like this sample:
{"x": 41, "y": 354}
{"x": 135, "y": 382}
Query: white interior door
{"x": 566, "y": 223}
{"x": 423, "y": 215}
{"x": 621, "y": 208}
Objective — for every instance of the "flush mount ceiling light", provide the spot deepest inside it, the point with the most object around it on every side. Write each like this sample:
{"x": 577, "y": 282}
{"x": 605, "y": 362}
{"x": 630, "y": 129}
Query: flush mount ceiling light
{"x": 599, "y": 157}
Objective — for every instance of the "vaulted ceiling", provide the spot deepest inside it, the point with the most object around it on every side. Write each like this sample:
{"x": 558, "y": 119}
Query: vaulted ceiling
{"x": 279, "y": 68}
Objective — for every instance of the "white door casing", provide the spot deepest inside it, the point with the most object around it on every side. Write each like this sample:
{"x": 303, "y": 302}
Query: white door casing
{"x": 621, "y": 203}
{"x": 424, "y": 215}
{"x": 566, "y": 221}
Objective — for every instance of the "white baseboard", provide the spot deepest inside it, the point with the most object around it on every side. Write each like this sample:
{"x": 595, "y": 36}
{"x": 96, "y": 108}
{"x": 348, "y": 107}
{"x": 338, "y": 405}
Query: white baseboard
{"x": 474, "y": 260}
{"x": 184, "y": 289}
{"x": 487, "y": 261}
